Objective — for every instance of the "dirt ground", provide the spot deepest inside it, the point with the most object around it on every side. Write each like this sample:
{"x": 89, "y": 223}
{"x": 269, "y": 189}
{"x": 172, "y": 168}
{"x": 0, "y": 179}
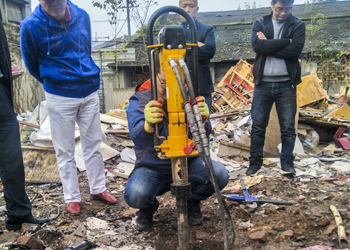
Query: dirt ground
{"x": 309, "y": 217}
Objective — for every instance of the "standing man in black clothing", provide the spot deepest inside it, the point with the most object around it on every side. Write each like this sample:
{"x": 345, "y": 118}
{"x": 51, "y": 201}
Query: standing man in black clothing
{"x": 277, "y": 40}
{"x": 206, "y": 49}
{"x": 18, "y": 207}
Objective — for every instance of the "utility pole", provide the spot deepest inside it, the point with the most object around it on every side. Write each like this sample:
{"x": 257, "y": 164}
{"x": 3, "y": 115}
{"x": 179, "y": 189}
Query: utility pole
{"x": 128, "y": 18}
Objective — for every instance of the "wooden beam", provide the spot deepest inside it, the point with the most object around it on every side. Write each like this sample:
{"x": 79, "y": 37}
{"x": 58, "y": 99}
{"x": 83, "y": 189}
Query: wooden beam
{"x": 235, "y": 145}
{"x": 37, "y": 148}
{"x": 28, "y": 124}
{"x": 118, "y": 131}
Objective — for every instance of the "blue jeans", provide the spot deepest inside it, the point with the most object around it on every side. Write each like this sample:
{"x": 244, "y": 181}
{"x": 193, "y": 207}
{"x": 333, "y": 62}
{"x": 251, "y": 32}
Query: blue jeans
{"x": 147, "y": 183}
{"x": 284, "y": 97}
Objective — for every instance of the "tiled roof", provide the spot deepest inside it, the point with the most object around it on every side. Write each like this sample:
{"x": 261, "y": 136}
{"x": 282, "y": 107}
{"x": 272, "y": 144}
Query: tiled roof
{"x": 233, "y": 28}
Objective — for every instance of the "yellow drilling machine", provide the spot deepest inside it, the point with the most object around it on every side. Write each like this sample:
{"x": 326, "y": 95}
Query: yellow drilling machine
{"x": 183, "y": 115}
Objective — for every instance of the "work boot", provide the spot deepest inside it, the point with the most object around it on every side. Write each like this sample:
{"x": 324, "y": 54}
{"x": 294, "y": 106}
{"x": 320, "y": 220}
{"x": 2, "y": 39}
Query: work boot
{"x": 195, "y": 216}
{"x": 144, "y": 220}
{"x": 105, "y": 196}
{"x": 253, "y": 168}
{"x": 16, "y": 224}
{"x": 287, "y": 168}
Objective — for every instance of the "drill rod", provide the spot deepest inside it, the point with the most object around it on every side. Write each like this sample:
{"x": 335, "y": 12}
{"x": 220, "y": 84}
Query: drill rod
{"x": 181, "y": 189}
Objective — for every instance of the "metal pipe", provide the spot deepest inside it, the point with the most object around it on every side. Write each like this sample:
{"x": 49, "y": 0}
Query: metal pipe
{"x": 156, "y": 137}
{"x": 181, "y": 189}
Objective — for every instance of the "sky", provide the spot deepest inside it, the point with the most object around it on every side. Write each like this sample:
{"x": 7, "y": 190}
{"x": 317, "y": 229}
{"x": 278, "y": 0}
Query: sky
{"x": 104, "y": 29}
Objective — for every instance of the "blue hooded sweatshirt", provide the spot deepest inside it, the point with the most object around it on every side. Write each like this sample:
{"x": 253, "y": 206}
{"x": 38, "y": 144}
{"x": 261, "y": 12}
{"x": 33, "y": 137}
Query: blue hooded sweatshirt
{"x": 58, "y": 58}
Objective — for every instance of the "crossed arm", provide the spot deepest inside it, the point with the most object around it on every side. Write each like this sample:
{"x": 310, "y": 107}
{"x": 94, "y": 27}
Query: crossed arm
{"x": 285, "y": 48}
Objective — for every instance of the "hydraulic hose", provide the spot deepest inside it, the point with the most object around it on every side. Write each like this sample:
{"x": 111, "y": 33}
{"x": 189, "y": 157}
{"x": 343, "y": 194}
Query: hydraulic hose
{"x": 210, "y": 166}
{"x": 199, "y": 136}
{"x": 187, "y": 76}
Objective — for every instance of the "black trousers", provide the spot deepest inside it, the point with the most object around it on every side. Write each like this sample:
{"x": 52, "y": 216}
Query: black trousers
{"x": 11, "y": 161}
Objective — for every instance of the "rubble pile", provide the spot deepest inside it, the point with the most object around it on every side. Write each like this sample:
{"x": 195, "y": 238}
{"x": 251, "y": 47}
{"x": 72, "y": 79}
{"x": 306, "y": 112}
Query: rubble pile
{"x": 322, "y": 165}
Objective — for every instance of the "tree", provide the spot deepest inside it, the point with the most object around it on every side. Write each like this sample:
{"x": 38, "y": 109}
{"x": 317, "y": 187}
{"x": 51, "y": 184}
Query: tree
{"x": 254, "y": 5}
{"x": 239, "y": 7}
{"x": 317, "y": 23}
{"x": 114, "y": 12}
{"x": 116, "y": 9}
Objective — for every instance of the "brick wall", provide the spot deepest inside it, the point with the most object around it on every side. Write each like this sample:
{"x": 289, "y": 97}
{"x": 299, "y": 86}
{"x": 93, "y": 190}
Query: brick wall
{"x": 333, "y": 77}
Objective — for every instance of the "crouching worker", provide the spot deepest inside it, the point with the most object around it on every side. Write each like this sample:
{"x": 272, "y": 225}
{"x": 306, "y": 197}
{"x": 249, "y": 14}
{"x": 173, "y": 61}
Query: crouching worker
{"x": 152, "y": 176}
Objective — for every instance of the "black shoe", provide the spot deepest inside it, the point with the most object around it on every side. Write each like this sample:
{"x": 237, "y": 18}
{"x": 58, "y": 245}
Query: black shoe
{"x": 144, "y": 220}
{"x": 288, "y": 168}
{"x": 195, "y": 216}
{"x": 253, "y": 168}
{"x": 17, "y": 224}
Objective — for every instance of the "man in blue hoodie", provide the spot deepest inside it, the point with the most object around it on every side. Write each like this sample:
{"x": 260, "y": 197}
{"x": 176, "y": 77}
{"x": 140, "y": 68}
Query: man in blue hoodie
{"x": 152, "y": 176}
{"x": 56, "y": 48}
{"x": 18, "y": 207}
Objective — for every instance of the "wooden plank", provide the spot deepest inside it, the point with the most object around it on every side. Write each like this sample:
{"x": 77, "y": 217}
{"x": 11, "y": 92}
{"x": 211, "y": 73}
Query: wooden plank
{"x": 117, "y": 131}
{"x": 235, "y": 145}
{"x": 37, "y": 148}
{"x": 28, "y": 124}
{"x": 40, "y": 166}
{"x": 310, "y": 90}
{"x": 243, "y": 78}
{"x": 216, "y": 107}
{"x": 343, "y": 112}
{"x": 228, "y": 102}
{"x": 273, "y": 134}
{"x": 229, "y": 72}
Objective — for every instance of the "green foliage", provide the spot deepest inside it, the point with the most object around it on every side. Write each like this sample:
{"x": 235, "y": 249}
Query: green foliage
{"x": 123, "y": 46}
{"x": 142, "y": 30}
{"x": 318, "y": 22}
{"x": 112, "y": 7}
{"x": 328, "y": 53}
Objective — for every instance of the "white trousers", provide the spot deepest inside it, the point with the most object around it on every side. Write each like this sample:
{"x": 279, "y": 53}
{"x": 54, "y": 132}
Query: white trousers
{"x": 63, "y": 113}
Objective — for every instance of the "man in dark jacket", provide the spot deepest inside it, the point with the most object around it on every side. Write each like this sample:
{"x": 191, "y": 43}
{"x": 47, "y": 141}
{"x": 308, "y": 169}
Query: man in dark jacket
{"x": 18, "y": 207}
{"x": 56, "y": 49}
{"x": 278, "y": 40}
{"x": 206, "y": 49}
{"x": 152, "y": 176}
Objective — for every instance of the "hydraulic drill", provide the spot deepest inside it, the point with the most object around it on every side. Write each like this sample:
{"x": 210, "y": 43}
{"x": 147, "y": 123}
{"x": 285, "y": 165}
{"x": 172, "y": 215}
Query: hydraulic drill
{"x": 183, "y": 115}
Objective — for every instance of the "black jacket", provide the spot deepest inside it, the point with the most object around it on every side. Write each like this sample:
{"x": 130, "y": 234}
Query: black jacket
{"x": 5, "y": 61}
{"x": 280, "y": 48}
{"x": 205, "y": 34}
